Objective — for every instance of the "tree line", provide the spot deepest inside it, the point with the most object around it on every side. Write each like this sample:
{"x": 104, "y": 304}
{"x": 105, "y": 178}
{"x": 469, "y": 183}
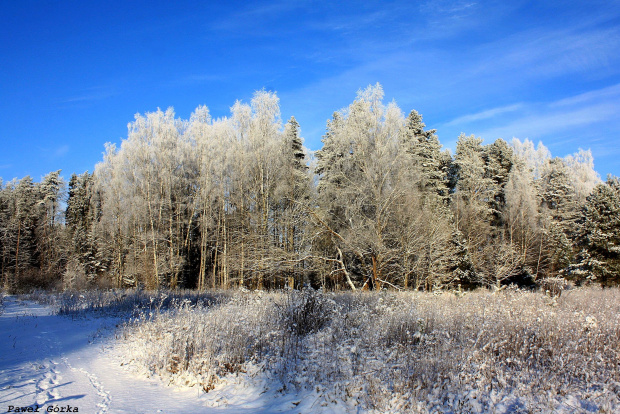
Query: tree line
{"x": 238, "y": 201}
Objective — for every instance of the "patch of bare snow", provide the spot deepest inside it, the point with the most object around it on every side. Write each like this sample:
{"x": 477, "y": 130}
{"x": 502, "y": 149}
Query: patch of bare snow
{"x": 54, "y": 361}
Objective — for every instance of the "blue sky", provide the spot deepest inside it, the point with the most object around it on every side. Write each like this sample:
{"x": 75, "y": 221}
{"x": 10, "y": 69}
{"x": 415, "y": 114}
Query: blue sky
{"x": 74, "y": 73}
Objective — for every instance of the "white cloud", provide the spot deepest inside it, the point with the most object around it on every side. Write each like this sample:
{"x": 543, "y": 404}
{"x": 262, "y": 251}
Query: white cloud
{"x": 486, "y": 114}
{"x": 548, "y": 123}
{"x": 610, "y": 92}
{"x": 568, "y": 116}
{"x": 537, "y": 54}
{"x": 95, "y": 93}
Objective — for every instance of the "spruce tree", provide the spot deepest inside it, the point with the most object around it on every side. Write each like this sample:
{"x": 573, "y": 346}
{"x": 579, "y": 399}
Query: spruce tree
{"x": 295, "y": 159}
{"x": 499, "y": 159}
{"x": 425, "y": 151}
{"x": 52, "y": 259}
{"x": 80, "y": 217}
{"x": 560, "y": 211}
{"x": 24, "y": 224}
{"x": 599, "y": 237}
{"x": 294, "y": 193}
{"x": 330, "y": 169}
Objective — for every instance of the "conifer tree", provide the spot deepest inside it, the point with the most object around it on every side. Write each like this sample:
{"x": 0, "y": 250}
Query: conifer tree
{"x": 499, "y": 159}
{"x": 294, "y": 193}
{"x": 598, "y": 237}
{"x": 5, "y": 234}
{"x": 50, "y": 231}
{"x": 81, "y": 216}
{"x": 425, "y": 151}
{"x": 560, "y": 210}
{"x": 469, "y": 204}
{"x": 22, "y": 228}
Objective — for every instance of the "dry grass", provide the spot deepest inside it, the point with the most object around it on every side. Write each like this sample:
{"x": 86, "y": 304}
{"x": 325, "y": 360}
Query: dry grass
{"x": 121, "y": 302}
{"x": 511, "y": 351}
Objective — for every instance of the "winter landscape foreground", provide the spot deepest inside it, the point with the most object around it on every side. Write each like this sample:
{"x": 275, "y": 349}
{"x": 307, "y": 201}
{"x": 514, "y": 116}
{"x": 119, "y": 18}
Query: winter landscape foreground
{"x": 309, "y": 351}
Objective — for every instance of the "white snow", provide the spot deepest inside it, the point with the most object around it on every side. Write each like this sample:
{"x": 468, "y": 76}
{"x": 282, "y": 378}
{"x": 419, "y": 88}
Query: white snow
{"x": 518, "y": 352}
{"x": 54, "y": 361}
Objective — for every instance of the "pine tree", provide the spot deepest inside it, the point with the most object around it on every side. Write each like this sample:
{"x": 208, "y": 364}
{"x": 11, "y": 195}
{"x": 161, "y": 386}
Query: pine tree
{"x": 461, "y": 264}
{"x": 499, "y": 159}
{"x": 482, "y": 173}
{"x": 473, "y": 192}
{"x": 52, "y": 259}
{"x": 23, "y": 225}
{"x": 425, "y": 151}
{"x": 560, "y": 211}
{"x": 295, "y": 158}
{"x": 294, "y": 193}
{"x": 599, "y": 237}
{"x": 473, "y": 183}
{"x": 81, "y": 216}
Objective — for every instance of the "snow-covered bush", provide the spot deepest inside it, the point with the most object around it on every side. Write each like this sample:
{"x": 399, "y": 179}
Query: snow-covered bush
{"x": 306, "y": 311}
{"x": 74, "y": 277}
{"x": 553, "y": 286}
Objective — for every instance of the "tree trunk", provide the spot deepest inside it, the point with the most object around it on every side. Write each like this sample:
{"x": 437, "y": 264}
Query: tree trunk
{"x": 16, "y": 277}
{"x": 344, "y": 270}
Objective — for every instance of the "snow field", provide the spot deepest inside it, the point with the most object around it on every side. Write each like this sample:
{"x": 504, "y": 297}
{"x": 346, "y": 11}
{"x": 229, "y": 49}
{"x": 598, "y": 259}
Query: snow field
{"x": 50, "y": 361}
{"x": 500, "y": 352}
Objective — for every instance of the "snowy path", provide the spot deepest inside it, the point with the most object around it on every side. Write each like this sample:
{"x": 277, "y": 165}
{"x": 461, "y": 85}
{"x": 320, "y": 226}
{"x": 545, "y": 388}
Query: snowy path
{"x": 52, "y": 361}
{"x": 47, "y": 361}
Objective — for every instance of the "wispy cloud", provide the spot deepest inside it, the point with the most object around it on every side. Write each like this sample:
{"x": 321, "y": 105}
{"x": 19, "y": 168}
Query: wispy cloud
{"x": 442, "y": 10}
{"x": 537, "y": 54}
{"x": 91, "y": 94}
{"x": 254, "y": 15}
{"x": 548, "y": 123}
{"x": 610, "y": 92}
{"x": 557, "y": 119}
{"x": 586, "y": 120}
{"x": 486, "y": 114}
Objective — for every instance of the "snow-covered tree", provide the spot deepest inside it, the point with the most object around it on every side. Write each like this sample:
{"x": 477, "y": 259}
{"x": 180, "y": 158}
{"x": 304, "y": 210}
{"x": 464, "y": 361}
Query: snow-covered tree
{"x": 31, "y": 233}
{"x": 598, "y": 237}
{"x": 294, "y": 192}
{"x": 376, "y": 226}
{"x": 81, "y": 215}
{"x": 50, "y": 247}
{"x": 560, "y": 210}
{"x": 583, "y": 176}
{"x": 425, "y": 151}
{"x": 499, "y": 159}
{"x": 521, "y": 217}
{"x": 534, "y": 159}
{"x": 147, "y": 186}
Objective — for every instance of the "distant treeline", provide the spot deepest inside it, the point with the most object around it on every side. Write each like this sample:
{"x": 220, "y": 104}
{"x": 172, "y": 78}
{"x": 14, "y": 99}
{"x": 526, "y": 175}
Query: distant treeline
{"x": 238, "y": 201}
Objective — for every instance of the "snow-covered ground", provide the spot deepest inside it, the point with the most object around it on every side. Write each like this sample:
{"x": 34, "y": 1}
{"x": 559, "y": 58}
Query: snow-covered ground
{"x": 313, "y": 352}
{"x": 51, "y": 362}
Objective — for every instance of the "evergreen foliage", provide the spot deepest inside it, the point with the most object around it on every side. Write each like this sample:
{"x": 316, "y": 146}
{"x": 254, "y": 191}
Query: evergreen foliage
{"x": 599, "y": 237}
{"x": 425, "y": 151}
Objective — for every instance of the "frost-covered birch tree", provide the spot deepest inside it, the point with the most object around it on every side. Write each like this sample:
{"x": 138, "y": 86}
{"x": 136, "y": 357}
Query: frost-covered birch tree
{"x": 373, "y": 227}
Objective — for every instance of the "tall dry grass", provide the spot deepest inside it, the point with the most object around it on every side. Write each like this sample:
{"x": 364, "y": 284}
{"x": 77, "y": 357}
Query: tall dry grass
{"x": 511, "y": 351}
